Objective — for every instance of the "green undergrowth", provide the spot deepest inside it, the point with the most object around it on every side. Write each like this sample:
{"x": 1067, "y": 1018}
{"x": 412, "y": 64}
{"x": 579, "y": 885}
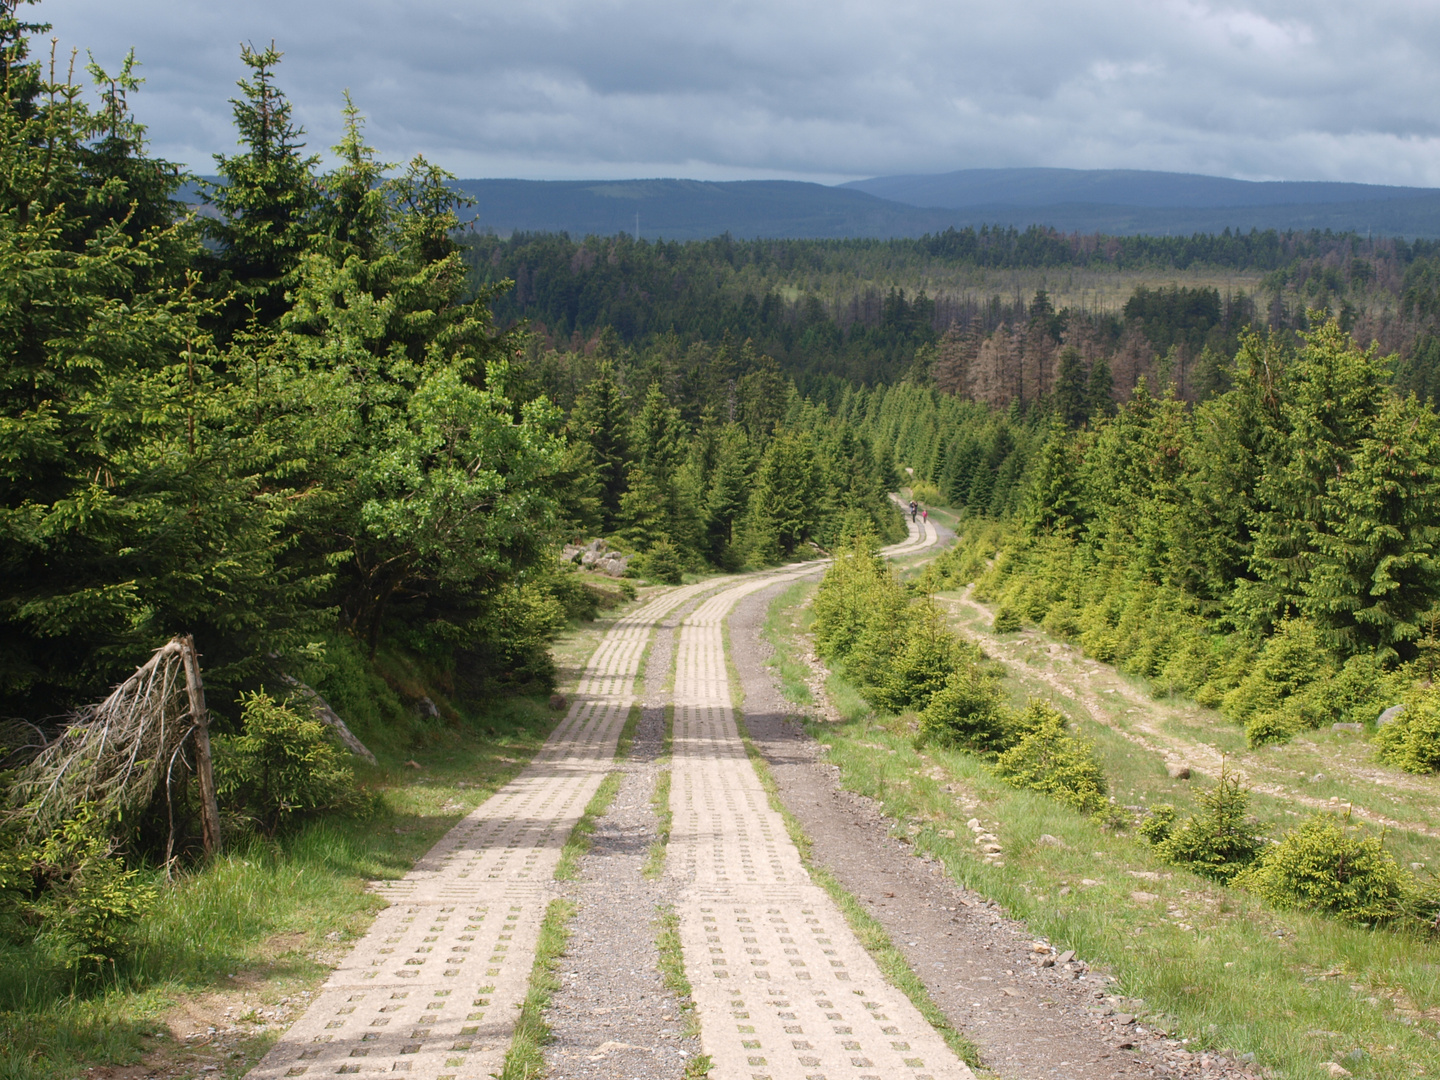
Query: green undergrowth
{"x": 1211, "y": 964}
{"x": 525, "y": 1058}
{"x": 890, "y": 960}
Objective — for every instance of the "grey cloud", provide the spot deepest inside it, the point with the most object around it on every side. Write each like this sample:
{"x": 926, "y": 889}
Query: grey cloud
{"x": 1326, "y": 89}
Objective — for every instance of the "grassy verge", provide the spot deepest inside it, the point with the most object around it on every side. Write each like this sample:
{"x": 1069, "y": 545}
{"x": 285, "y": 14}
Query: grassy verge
{"x": 244, "y": 931}
{"x": 525, "y": 1058}
{"x": 1203, "y": 962}
{"x": 781, "y": 620}
{"x": 871, "y": 934}
{"x": 672, "y": 968}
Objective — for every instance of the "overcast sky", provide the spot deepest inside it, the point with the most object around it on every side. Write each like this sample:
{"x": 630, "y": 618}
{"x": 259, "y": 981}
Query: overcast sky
{"x": 823, "y": 90}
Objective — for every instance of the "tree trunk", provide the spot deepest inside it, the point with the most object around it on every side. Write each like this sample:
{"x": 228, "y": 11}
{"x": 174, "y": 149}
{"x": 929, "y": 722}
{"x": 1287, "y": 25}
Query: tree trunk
{"x": 204, "y": 769}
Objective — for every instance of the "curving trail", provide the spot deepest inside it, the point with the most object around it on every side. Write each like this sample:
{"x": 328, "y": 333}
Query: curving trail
{"x": 433, "y": 990}
{"x": 784, "y": 989}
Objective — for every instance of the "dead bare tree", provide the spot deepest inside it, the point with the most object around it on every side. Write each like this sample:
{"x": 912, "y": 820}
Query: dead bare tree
{"x": 117, "y": 755}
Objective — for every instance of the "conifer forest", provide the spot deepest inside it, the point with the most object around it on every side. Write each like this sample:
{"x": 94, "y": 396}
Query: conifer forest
{"x": 365, "y": 460}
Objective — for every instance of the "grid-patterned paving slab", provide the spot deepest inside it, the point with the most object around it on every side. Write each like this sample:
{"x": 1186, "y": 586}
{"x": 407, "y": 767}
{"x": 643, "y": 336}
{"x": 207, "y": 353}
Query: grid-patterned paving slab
{"x": 784, "y": 990}
{"x": 434, "y": 989}
{"x": 787, "y": 991}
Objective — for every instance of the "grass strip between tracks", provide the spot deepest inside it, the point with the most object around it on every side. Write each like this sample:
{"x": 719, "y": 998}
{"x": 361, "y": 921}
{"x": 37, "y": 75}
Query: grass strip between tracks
{"x": 525, "y": 1059}
{"x": 672, "y": 970}
{"x": 655, "y": 857}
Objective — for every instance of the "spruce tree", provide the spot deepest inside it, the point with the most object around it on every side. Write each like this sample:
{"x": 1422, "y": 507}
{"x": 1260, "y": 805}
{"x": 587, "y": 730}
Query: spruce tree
{"x": 728, "y": 494}
{"x": 1071, "y": 400}
{"x": 266, "y": 198}
{"x": 1329, "y": 395}
{"x": 601, "y": 419}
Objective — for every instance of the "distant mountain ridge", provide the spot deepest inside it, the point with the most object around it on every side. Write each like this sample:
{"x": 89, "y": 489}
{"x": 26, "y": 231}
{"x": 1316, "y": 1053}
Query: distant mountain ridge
{"x": 1114, "y": 202}
{"x": 1034, "y": 187}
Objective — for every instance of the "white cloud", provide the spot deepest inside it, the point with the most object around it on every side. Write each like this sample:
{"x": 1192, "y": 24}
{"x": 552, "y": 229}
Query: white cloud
{"x": 1325, "y": 89}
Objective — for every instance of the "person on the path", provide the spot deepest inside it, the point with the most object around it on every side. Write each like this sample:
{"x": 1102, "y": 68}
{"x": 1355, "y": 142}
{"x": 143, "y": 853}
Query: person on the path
{"x": 925, "y": 515}
{"x": 914, "y": 508}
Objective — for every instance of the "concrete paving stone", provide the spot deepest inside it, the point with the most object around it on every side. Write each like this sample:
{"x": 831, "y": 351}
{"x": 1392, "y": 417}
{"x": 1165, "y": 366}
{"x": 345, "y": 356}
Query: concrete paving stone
{"x": 434, "y": 988}
{"x": 783, "y": 988}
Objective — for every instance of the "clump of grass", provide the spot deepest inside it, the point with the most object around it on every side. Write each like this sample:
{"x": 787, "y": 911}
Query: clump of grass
{"x": 579, "y": 842}
{"x": 655, "y": 857}
{"x": 794, "y": 673}
{"x": 525, "y": 1058}
{"x": 672, "y": 969}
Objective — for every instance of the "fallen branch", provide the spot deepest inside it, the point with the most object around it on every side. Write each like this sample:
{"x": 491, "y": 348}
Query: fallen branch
{"x": 325, "y": 714}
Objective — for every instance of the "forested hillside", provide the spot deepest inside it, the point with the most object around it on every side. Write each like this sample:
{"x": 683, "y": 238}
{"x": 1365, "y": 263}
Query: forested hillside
{"x": 1007, "y": 305}
{"x": 286, "y": 423}
{"x": 290, "y": 428}
{"x": 1271, "y": 550}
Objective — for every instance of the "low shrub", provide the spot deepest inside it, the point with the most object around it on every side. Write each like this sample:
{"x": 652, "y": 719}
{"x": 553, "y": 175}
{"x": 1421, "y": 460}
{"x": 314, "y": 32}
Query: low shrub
{"x": 1047, "y": 757}
{"x": 71, "y": 892}
{"x": 922, "y": 665}
{"x": 1411, "y": 741}
{"x": 1292, "y": 658}
{"x": 1062, "y": 620}
{"x": 1329, "y": 866}
{"x": 89, "y": 901}
{"x": 925, "y": 494}
{"x": 1007, "y": 620}
{"x": 1156, "y": 826}
{"x": 662, "y": 563}
{"x": 1271, "y": 726}
{"x": 281, "y": 764}
{"x": 969, "y": 711}
{"x": 1218, "y": 840}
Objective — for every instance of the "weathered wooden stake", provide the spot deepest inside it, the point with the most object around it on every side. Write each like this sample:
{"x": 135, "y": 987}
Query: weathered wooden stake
{"x": 209, "y": 806}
